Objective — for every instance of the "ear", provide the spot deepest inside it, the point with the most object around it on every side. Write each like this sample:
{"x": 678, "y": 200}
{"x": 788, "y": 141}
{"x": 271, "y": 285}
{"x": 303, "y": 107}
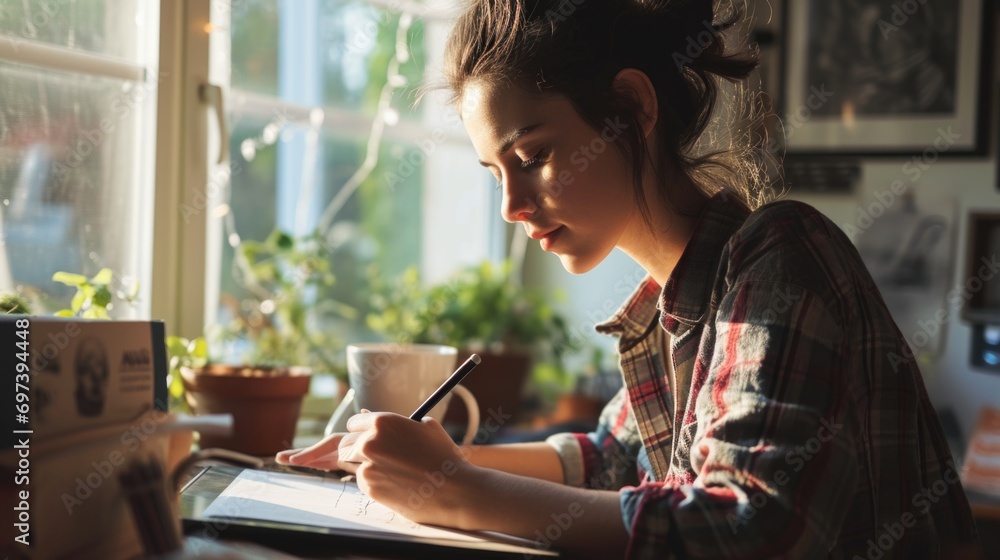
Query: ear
{"x": 637, "y": 84}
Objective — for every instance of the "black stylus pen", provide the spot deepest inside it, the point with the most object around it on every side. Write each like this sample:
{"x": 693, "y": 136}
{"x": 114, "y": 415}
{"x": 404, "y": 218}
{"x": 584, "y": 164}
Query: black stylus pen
{"x": 446, "y": 387}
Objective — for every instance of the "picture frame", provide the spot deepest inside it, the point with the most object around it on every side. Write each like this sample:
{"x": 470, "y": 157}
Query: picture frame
{"x": 870, "y": 78}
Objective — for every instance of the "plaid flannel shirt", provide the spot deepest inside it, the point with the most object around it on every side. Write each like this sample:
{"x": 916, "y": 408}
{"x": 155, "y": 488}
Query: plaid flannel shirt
{"x": 771, "y": 406}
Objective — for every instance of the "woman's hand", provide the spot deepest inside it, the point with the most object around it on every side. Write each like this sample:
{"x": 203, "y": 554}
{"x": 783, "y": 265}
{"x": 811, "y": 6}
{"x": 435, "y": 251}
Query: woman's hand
{"x": 322, "y": 455}
{"x": 412, "y": 467}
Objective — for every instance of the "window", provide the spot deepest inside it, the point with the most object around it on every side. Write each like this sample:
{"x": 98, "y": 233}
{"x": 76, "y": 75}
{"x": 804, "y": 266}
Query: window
{"x": 78, "y": 85}
{"x": 326, "y": 140}
{"x": 110, "y": 148}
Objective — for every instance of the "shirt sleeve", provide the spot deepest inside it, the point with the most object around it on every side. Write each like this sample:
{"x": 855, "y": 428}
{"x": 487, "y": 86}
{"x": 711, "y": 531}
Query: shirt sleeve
{"x": 605, "y": 458}
{"x": 775, "y": 460}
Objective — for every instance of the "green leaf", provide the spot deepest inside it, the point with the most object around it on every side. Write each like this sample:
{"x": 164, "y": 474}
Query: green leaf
{"x": 64, "y": 313}
{"x": 104, "y": 276}
{"x": 199, "y": 348}
{"x": 101, "y": 297}
{"x": 176, "y": 346}
{"x": 95, "y": 313}
{"x": 12, "y": 303}
{"x": 69, "y": 278}
{"x": 83, "y": 294}
{"x": 265, "y": 271}
{"x": 281, "y": 240}
{"x": 176, "y": 386}
{"x": 250, "y": 250}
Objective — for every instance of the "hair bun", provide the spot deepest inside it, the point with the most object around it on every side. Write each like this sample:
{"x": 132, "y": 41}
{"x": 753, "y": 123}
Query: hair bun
{"x": 650, "y": 31}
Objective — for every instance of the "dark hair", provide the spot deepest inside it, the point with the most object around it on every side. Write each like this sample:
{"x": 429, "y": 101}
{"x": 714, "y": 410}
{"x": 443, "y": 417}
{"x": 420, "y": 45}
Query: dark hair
{"x": 576, "y": 48}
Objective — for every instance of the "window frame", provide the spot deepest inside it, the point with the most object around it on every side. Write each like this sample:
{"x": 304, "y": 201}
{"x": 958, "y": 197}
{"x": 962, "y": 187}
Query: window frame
{"x": 190, "y": 180}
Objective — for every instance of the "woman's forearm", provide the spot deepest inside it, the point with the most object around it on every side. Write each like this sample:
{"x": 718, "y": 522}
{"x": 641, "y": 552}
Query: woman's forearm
{"x": 584, "y": 523}
{"x": 535, "y": 460}
{"x": 517, "y": 489}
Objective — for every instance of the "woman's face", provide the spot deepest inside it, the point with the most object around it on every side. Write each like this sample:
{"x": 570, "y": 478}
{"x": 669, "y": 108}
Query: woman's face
{"x": 566, "y": 182}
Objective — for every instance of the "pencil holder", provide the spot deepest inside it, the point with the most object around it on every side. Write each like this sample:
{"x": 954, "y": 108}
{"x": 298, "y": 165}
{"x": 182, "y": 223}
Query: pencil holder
{"x": 151, "y": 501}
{"x": 79, "y": 503}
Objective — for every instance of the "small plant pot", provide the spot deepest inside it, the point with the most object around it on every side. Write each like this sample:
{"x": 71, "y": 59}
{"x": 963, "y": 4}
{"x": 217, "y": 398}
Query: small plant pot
{"x": 265, "y": 404}
{"x": 573, "y": 407}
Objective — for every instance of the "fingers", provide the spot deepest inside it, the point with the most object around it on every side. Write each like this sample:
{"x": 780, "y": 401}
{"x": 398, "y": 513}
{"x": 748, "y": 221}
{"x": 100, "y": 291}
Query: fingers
{"x": 351, "y": 448}
{"x": 361, "y": 430}
{"x": 335, "y": 451}
{"x": 282, "y": 457}
{"x": 362, "y": 427}
{"x": 363, "y": 420}
{"x": 312, "y": 455}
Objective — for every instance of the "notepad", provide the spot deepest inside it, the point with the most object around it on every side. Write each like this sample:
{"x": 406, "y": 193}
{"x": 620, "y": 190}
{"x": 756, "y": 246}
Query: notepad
{"x": 322, "y": 502}
{"x": 342, "y": 508}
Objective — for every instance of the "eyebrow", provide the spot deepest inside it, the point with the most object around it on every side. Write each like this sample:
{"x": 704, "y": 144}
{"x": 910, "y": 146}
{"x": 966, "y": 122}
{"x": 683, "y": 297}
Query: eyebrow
{"x": 511, "y": 138}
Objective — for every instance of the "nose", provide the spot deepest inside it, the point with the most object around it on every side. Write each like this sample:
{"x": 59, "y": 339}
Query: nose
{"x": 518, "y": 204}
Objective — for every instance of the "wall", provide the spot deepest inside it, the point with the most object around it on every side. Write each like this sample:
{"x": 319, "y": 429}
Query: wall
{"x": 950, "y": 379}
{"x": 969, "y": 185}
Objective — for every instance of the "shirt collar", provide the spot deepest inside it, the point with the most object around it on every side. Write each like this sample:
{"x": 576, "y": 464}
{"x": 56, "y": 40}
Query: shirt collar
{"x": 684, "y": 297}
{"x": 686, "y": 293}
{"x": 635, "y": 316}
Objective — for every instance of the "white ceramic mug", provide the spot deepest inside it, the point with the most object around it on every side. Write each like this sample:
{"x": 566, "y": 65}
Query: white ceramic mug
{"x": 391, "y": 377}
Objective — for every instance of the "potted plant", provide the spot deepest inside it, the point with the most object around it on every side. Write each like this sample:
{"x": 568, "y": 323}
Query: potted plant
{"x": 13, "y": 303}
{"x": 273, "y": 343}
{"x": 515, "y": 329}
{"x": 93, "y": 297}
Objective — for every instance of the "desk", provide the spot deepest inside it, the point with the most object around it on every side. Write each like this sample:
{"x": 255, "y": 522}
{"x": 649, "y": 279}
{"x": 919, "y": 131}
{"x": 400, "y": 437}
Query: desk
{"x": 309, "y": 542}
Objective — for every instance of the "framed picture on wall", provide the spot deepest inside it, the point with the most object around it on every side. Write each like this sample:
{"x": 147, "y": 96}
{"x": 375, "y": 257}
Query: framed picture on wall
{"x": 886, "y": 77}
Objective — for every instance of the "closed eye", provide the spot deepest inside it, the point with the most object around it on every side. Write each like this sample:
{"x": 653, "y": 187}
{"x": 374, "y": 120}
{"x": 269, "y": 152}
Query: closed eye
{"x": 537, "y": 160}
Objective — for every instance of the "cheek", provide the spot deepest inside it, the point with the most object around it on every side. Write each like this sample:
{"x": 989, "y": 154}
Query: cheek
{"x": 607, "y": 187}
{"x": 583, "y": 179}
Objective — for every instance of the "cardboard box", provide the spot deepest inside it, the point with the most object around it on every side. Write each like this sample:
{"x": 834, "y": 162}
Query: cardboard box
{"x": 89, "y": 398}
{"x": 73, "y": 375}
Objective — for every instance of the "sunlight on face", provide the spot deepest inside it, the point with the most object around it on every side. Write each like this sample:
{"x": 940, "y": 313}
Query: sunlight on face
{"x": 563, "y": 180}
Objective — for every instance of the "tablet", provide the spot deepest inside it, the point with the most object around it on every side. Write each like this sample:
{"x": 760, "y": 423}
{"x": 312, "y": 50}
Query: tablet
{"x": 320, "y": 515}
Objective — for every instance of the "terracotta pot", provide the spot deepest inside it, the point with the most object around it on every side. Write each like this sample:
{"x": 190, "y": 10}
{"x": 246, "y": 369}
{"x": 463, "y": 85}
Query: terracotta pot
{"x": 178, "y": 448}
{"x": 575, "y": 408}
{"x": 265, "y": 404}
{"x": 497, "y": 383}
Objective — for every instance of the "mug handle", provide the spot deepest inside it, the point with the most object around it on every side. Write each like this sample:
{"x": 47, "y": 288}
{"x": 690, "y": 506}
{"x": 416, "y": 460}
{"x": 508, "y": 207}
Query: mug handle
{"x": 338, "y": 420}
{"x": 472, "y": 408}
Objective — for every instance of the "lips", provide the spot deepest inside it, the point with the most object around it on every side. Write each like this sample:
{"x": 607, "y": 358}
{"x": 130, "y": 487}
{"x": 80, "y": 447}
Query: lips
{"x": 546, "y": 238}
{"x": 538, "y": 234}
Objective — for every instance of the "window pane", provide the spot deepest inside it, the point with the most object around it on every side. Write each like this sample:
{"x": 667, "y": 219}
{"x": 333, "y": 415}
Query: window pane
{"x": 98, "y": 26}
{"x": 380, "y": 224}
{"x": 254, "y": 32}
{"x": 329, "y": 52}
{"x": 357, "y": 41}
{"x": 308, "y": 79}
{"x": 72, "y": 179}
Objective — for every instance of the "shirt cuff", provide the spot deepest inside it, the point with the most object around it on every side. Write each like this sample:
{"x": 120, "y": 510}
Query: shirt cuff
{"x": 649, "y": 521}
{"x": 630, "y": 498}
{"x": 570, "y": 453}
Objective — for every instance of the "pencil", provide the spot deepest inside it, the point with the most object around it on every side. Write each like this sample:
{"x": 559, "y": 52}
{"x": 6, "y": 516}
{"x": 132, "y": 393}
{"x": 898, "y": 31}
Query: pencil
{"x": 446, "y": 387}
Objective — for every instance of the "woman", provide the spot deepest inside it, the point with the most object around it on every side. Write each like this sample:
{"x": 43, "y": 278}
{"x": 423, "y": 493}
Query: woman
{"x": 771, "y": 406}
